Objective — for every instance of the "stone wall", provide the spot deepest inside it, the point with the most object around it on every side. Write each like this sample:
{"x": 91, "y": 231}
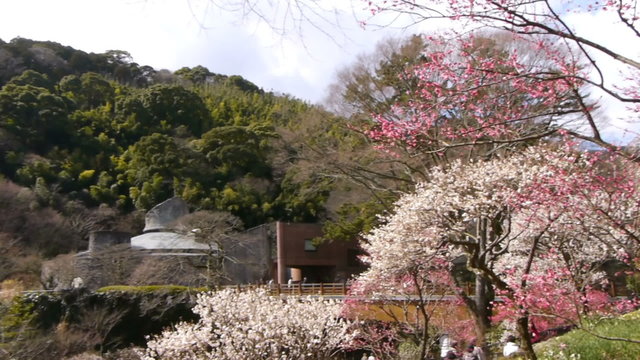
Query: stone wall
{"x": 251, "y": 256}
{"x": 101, "y": 240}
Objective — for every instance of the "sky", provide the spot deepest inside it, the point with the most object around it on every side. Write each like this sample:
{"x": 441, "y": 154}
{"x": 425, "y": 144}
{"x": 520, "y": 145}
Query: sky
{"x": 281, "y": 52}
{"x": 170, "y": 34}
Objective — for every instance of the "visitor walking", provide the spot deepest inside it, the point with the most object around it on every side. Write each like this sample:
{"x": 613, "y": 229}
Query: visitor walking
{"x": 447, "y": 346}
{"x": 470, "y": 353}
{"x": 511, "y": 348}
{"x": 475, "y": 352}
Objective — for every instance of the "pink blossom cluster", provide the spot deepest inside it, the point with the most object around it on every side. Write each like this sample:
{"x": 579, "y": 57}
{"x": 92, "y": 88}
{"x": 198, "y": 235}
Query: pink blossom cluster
{"x": 563, "y": 302}
{"x": 469, "y": 95}
{"x": 476, "y": 91}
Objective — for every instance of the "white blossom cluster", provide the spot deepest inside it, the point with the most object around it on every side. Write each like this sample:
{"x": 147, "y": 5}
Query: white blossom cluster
{"x": 427, "y": 222}
{"x": 548, "y": 197}
{"x": 254, "y": 325}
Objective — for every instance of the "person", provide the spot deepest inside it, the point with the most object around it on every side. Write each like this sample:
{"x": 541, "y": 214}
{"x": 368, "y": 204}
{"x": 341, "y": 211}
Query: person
{"x": 511, "y": 348}
{"x": 371, "y": 357}
{"x": 451, "y": 355}
{"x": 477, "y": 351}
{"x": 77, "y": 283}
{"x": 446, "y": 346}
{"x": 468, "y": 353}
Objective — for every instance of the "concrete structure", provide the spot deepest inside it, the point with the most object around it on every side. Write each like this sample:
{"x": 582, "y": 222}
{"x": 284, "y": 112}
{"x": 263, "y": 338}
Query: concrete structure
{"x": 277, "y": 251}
{"x": 159, "y": 230}
{"x": 164, "y": 215}
{"x": 102, "y": 240}
{"x": 249, "y": 255}
{"x": 166, "y": 240}
{"x": 298, "y": 258}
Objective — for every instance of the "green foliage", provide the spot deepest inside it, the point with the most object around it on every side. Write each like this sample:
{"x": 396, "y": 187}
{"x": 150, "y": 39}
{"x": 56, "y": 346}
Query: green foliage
{"x": 232, "y": 106}
{"x": 355, "y": 219}
{"x": 86, "y": 175}
{"x": 408, "y": 350}
{"x": 244, "y": 201}
{"x": 235, "y": 151}
{"x": 39, "y": 168}
{"x": 154, "y": 154}
{"x": 633, "y": 283}
{"x": 35, "y": 115}
{"x": 302, "y": 200}
{"x": 104, "y": 191}
{"x": 161, "y": 108}
{"x": 150, "y": 165}
{"x": 17, "y": 319}
{"x": 589, "y": 347}
{"x": 242, "y": 84}
{"x": 33, "y": 78}
{"x": 89, "y": 91}
{"x": 197, "y": 75}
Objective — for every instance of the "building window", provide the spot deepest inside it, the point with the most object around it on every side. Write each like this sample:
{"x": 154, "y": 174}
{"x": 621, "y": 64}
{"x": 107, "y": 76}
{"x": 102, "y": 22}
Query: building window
{"x": 309, "y": 246}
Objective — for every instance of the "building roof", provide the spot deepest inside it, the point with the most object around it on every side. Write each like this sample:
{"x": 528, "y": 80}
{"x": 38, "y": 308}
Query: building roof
{"x": 168, "y": 241}
{"x": 164, "y": 215}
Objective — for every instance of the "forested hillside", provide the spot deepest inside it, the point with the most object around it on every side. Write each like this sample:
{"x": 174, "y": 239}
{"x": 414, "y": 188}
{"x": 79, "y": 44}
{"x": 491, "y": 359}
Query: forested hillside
{"x": 88, "y": 141}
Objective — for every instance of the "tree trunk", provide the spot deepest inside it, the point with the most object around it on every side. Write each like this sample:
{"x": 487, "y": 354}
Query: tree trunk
{"x": 525, "y": 337}
{"x": 479, "y": 307}
{"x": 425, "y": 336}
{"x": 482, "y": 299}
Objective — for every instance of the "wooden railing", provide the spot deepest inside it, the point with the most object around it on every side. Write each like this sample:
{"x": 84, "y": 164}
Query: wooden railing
{"x": 310, "y": 289}
{"x": 328, "y": 289}
{"x": 299, "y": 288}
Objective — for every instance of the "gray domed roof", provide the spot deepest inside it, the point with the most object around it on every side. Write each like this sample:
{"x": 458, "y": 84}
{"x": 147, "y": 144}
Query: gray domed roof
{"x": 163, "y": 215}
{"x": 168, "y": 241}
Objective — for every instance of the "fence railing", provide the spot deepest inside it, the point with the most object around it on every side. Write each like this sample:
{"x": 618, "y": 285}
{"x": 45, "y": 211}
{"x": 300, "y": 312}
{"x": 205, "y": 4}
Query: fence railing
{"x": 343, "y": 289}
{"x": 299, "y": 288}
{"x": 328, "y": 289}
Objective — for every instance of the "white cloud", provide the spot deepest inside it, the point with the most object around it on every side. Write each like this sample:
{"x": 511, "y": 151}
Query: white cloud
{"x": 605, "y": 28}
{"x": 171, "y": 34}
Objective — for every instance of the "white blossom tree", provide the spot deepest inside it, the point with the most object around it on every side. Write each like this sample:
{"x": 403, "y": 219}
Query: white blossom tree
{"x": 504, "y": 216}
{"x": 254, "y": 325}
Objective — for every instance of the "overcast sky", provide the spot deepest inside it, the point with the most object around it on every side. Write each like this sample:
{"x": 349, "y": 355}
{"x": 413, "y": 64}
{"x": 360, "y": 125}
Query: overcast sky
{"x": 170, "y": 34}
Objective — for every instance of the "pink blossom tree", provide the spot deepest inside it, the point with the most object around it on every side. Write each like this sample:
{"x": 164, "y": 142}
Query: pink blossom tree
{"x": 467, "y": 98}
{"x": 549, "y": 298}
{"x": 585, "y": 208}
{"x": 408, "y": 293}
{"x": 474, "y": 94}
{"x": 462, "y": 210}
{"x": 575, "y": 65}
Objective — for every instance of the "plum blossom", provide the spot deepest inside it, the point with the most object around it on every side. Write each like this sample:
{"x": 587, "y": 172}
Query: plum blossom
{"x": 254, "y": 325}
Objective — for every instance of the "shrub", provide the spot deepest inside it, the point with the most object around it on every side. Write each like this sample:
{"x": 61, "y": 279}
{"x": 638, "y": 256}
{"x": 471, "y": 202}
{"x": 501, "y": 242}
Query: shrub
{"x": 253, "y": 325}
